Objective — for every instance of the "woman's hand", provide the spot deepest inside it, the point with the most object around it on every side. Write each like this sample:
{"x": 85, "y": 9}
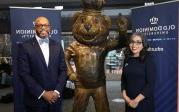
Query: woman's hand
{"x": 126, "y": 98}
{"x": 133, "y": 103}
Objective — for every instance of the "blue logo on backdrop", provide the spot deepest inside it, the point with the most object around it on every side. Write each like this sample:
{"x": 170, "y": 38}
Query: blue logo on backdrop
{"x": 156, "y": 27}
{"x": 22, "y": 23}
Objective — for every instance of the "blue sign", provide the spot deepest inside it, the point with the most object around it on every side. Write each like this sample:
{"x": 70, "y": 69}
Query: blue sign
{"x": 160, "y": 25}
{"x": 22, "y": 28}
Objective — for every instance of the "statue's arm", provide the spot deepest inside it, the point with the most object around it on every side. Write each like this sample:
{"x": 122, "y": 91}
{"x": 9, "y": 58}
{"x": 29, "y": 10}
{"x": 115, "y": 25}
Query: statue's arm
{"x": 121, "y": 41}
{"x": 69, "y": 55}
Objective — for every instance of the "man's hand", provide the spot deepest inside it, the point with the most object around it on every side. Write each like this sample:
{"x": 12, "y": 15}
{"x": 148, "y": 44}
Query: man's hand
{"x": 49, "y": 96}
{"x": 55, "y": 96}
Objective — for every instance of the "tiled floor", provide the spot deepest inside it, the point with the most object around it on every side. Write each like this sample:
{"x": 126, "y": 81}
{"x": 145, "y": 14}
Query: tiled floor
{"x": 113, "y": 91}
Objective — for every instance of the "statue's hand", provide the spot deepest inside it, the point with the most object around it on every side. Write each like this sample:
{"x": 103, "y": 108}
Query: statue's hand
{"x": 73, "y": 76}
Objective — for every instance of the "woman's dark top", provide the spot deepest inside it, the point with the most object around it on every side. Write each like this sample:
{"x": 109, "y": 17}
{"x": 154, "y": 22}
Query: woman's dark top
{"x": 138, "y": 78}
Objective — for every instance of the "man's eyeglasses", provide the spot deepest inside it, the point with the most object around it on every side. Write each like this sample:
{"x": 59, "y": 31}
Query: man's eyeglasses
{"x": 41, "y": 26}
{"x": 135, "y": 42}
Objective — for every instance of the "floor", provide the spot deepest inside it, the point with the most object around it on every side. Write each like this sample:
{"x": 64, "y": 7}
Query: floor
{"x": 114, "y": 96}
{"x": 6, "y": 107}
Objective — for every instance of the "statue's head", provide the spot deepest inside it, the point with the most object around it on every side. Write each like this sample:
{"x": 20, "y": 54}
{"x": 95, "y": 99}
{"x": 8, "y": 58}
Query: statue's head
{"x": 91, "y": 28}
{"x": 93, "y": 4}
{"x": 122, "y": 23}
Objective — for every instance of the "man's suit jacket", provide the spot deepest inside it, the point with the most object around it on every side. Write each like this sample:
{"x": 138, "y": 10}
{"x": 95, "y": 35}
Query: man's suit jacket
{"x": 36, "y": 75}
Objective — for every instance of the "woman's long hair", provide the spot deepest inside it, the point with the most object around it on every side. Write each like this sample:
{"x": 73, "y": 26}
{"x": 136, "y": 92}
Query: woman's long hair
{"x": 128, "y": 53}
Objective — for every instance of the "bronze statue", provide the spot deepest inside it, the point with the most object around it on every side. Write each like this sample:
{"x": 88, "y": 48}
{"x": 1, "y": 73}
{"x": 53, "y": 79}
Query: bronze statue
{"x": 122, "y": 24}
{"x": 90, "y": 29}
{"x": 93, "y": 4}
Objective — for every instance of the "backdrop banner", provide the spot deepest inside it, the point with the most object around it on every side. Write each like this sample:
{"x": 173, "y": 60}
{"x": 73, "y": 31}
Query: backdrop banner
{"x": 159, "y": 23}
{"x": 22, "y": 29}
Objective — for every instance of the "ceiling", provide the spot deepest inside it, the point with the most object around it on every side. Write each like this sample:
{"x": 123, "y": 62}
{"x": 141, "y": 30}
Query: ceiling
{"x": 71, "y": 4}
{"x": 112, "y": 8}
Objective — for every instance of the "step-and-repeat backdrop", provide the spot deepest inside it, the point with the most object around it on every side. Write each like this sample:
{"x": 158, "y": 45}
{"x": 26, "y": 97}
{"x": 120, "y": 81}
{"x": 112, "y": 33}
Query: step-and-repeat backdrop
{"x": 160, "y": 25}
{"x": 22, "y": 28}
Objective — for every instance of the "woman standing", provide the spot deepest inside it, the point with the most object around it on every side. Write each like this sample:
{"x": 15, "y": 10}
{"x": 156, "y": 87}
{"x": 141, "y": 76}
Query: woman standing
{"x": 137, "y": 80}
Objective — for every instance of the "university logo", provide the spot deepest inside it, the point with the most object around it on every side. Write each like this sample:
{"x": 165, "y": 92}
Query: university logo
{"x": 154, "y": 20}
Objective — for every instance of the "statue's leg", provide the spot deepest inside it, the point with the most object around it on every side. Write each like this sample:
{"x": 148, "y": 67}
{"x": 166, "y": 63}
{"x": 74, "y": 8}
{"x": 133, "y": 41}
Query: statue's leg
{"x": 81, "y": 99}
{"x": 100, "y": 99}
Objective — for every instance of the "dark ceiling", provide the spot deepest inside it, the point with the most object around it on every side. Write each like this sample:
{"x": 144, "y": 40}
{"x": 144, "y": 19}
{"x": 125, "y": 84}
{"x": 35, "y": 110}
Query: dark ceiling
{"x": 68, "y": 5}
{"x": 71, "y": 4}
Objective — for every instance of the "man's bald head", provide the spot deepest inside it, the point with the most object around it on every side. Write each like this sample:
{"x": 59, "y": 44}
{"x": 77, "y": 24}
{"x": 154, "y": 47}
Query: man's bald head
{"x": 41, "y": 18}
{"x": 42, "y": 27}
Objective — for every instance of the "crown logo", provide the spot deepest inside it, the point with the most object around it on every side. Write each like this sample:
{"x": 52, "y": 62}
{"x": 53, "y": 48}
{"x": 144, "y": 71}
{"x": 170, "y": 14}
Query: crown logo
{"x": 154, "y": 20}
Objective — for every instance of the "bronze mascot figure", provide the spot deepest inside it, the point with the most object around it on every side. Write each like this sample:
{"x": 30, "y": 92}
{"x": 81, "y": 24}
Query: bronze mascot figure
{"x": 88, "y": 51}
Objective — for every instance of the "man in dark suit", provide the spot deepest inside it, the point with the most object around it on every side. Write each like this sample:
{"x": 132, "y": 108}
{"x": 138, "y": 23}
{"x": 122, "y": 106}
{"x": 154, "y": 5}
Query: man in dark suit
{"x": 42, "y": 69}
